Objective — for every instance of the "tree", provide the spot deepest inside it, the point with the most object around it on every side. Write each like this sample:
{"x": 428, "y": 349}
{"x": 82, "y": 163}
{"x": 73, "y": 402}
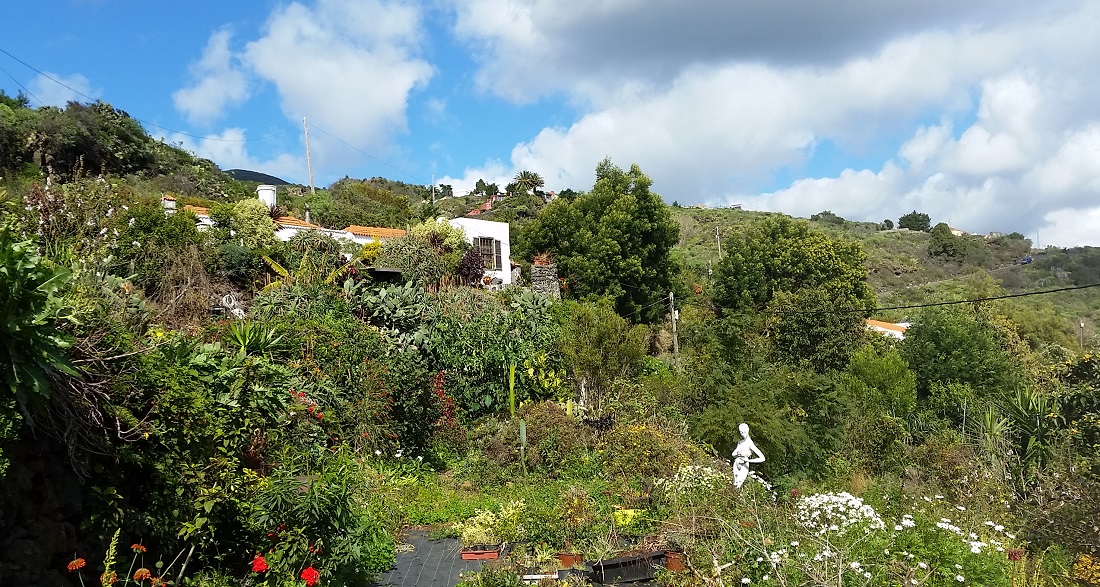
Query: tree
{"x": 812, "y": 287}
{"x": 827, "y": 217}
{"x": 615, "y": 240}
{"x": 955, "y": 344}
{"x": 365, "y": 203}
{"x": 782, "y": 254}
{"x": 887, "y": 224}
{"x": 600, "y": 349}
{"x": 943, "y": 243}
{"x": 915, "y": 221}
{"x": 528, "y": 181}
{"x": 252, "y": 224}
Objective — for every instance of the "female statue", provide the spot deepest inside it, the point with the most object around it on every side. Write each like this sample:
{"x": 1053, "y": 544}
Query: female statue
{"x": 745, "y": 453}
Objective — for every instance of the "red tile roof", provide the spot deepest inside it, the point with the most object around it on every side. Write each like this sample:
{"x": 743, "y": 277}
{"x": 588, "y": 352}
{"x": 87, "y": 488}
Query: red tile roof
{"x": 375, "y": 231}
{"x": 886, "y": 325}
{"x": 198, "y": 210}
{"x": 292, "y": 222}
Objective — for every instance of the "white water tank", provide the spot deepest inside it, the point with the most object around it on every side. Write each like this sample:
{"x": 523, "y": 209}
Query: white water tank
{"x": 266, "y": 193}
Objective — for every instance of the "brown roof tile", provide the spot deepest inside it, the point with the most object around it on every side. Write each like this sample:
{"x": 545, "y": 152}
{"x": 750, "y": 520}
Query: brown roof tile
{"x": 375, "y": 231}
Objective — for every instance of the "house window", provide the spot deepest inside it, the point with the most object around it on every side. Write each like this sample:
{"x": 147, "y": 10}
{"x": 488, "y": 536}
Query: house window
{"x": 490, "y": 251}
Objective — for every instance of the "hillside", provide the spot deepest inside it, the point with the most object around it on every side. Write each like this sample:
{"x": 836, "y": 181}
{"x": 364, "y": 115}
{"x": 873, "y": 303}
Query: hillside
{"x": 255, "y": 176}
{"x": 902, "y": 271}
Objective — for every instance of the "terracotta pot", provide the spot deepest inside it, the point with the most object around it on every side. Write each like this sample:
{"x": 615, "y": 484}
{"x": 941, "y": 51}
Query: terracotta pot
{"x": 480, "y": 552}
{"x": 569, "y": 560}
{"x": 674, "y": 561}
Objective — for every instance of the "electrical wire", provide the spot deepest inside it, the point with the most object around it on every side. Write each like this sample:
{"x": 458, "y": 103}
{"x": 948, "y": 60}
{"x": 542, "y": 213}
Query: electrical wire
{"x": 936, "y": 304}
{"x": 24, "y": 88}
{"x": 354, "y": 148}
{"x": 146, "y": 122}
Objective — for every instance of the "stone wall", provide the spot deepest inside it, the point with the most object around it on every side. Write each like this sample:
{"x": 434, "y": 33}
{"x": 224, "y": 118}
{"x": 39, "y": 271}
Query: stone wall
{"x": 544, "y": 281}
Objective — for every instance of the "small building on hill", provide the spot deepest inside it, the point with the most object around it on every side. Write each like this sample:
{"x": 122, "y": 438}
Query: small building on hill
{"x": 888, "y": 328}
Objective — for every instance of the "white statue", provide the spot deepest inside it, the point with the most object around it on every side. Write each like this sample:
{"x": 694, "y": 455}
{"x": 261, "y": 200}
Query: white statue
{"x": 745, "y": 453}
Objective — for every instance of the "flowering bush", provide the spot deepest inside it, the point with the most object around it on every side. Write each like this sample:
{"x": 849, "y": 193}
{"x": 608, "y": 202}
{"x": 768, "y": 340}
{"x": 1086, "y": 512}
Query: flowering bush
{"x": 838, "y": 538}
{"x": 837, "y": 513}
{"x": 693, "y": 479}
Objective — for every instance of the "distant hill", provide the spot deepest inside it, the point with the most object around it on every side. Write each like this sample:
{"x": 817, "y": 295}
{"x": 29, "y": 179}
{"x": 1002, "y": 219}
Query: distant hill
{"x": 256, "y": 176}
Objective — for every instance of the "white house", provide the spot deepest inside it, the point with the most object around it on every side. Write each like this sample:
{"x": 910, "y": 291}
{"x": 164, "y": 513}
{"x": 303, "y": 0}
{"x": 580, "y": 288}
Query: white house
{"x": 288, "y": 226}
{"x": 889, "y": 329}
{"x": 492, "y": 239}
{"x": 371, "y": 234}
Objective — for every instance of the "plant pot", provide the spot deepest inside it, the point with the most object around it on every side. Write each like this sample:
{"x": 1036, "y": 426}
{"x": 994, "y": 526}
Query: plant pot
{"x": 570, "y": 559}
{"x": 626, "y": 569}
{"x": 674, "y": 561}
{"x": 480, "y": 552}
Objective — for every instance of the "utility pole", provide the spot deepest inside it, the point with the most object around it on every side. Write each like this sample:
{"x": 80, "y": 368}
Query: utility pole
{"x": 433, "y": 189}
{"x": 675, "y": 337}
{"x": 309, "y": 161}
{"x": 718, "y": 238}
{"x": 1081, "y": 333}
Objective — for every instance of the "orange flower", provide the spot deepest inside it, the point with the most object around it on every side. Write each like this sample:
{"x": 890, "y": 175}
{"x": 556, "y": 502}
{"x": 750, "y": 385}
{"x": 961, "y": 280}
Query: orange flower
{"x": 77, "y": 563}
{"x": 142, "y": 573}
{"x": 137, "y": 548}
{"x": 157, "y": 582}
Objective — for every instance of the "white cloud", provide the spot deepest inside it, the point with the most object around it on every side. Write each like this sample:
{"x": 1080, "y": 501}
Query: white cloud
{"x": 714, "y": 122}
{"x": 52, "y": 93}
{"x": 229, "y": 149}
{"x": 348, "y": 66}
{"x": 219, "y": 82}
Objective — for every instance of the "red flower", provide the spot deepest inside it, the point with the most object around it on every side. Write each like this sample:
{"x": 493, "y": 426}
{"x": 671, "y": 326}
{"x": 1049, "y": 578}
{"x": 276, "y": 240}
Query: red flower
{"x": 259, "y": 565}
{"x": 1015, "y": 554}
{"x": 137, "y": 548}
{"x": 76, "y": 563}
{"x": 319, "y": 414}
{"x": 310, "y": 575}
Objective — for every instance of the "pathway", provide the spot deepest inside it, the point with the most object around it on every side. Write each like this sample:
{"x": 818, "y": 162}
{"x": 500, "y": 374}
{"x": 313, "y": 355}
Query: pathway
{"x": 431, "y": 563}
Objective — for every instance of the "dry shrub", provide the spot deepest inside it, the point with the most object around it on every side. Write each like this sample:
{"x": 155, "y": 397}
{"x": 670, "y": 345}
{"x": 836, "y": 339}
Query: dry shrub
{"x": 184, "y": 290}
{"x": 553, "y": 437}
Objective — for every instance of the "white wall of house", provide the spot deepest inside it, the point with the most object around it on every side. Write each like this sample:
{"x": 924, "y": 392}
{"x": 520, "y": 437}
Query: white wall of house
{"x": 483, "y": 233}
{"x": 285, "y": 233}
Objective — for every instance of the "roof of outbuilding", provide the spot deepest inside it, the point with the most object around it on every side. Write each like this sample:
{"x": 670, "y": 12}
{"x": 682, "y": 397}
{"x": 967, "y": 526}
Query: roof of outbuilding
{"x": 376, "y": 231}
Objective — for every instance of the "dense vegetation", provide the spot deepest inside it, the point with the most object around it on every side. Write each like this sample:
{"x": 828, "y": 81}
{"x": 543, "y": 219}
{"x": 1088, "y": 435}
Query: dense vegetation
{"x": 294, "y": 444}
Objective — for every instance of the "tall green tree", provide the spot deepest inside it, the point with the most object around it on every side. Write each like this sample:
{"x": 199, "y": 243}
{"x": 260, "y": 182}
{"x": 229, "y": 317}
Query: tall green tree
{"x": 915, "y": 221}
{"x": 528, "y": 181}
{"x": 615, "y": 240}
{"x": 780, "y": 254}
{"x": 958, "y": 345}
{"x": 812, "y": 287}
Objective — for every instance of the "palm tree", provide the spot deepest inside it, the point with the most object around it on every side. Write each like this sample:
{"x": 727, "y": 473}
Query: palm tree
{"x": 528, "y": 181}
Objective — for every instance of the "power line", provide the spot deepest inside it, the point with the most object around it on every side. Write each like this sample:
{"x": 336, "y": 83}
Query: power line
{"x": 24, "y": 88}
{"x": 935, "y": 304}
{"x": 353, "y": 147}
{"x": 153, "y": 124}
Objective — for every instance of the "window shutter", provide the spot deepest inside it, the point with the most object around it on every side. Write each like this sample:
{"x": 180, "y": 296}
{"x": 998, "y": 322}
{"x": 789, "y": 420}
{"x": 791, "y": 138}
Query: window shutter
{"x": 499, "y": 264}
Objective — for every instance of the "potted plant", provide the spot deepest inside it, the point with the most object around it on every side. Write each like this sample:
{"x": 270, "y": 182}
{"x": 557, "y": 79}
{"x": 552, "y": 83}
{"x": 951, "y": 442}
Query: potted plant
{"x": 543, "y": 258}
{"x": 576, "y": 513}
{"x": 479, "y": 537}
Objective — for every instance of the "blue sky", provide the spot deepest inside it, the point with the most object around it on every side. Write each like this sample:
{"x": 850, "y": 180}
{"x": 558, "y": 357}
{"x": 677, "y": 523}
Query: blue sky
{"x": 984, "y": 114}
